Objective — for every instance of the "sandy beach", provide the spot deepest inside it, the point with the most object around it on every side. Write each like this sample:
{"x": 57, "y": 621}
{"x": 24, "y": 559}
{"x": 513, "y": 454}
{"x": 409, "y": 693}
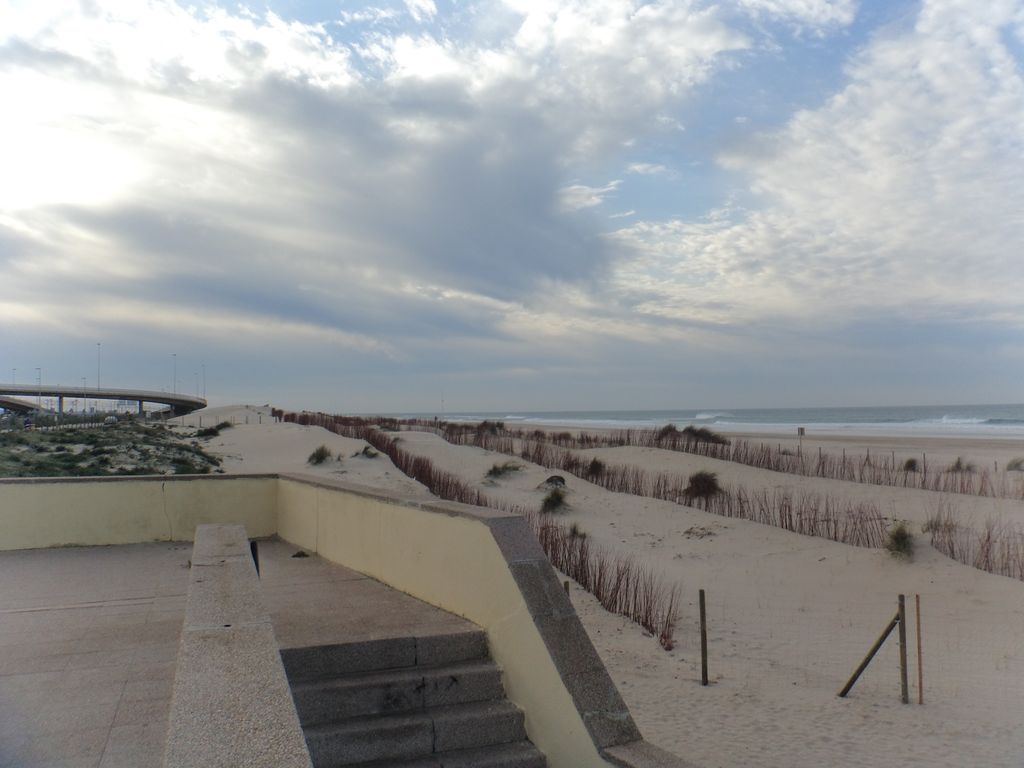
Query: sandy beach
{"x": 790, "y": 616}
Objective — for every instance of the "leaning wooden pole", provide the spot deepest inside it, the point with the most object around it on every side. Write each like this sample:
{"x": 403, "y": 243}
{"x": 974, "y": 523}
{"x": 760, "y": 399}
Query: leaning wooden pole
{"x": 902, "y": 615}
{"x": 871, "y": 654}
{"x": 703, "y": 641}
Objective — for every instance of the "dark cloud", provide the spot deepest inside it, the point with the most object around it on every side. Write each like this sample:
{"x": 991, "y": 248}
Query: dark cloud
{"x": 472, "y": 203}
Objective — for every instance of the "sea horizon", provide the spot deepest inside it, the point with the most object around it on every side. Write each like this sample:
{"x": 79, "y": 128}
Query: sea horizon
{"x": 999, "y": 421}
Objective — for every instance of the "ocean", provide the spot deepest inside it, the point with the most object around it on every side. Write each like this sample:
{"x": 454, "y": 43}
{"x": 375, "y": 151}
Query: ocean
{"x": 1002, "y": 421}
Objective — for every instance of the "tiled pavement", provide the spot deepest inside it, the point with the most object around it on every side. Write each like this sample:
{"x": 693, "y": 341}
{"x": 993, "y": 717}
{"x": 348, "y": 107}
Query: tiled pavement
{"x": 89, "y": 636}
{"x": 88, "y": 639}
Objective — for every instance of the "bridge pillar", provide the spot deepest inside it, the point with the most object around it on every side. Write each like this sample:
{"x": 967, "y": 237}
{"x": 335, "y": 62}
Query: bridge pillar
{"x": 60, "y": 406}
{"x": 142, "y": 412}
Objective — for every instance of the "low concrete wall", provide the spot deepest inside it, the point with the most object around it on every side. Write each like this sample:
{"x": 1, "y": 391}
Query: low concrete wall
{"x": 488, "y": 567}
{"x": 231, "y": 704}
{"x": 56, "y": 512}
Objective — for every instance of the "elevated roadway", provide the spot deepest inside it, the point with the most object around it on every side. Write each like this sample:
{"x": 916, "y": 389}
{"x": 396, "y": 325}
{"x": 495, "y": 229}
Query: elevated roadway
{"x": 17, "y": 397}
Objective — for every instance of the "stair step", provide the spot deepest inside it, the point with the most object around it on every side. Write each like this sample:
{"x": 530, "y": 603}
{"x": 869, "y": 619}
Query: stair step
{"x": 396, "y": 691}
{"x": 414, "y": 735}
{"x": 518, "y": 754}
{"x": 332, "y": 661}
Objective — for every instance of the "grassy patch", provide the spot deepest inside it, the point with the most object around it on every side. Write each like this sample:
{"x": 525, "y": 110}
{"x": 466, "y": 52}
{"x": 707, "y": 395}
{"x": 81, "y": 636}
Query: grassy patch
{"x": 319, "y": 456}
{"x": 127, "y": 448}
{"x": 501, "y": 470}
{"x": 702, "y": 486}
{"x": 900, "y": 542}
{"x": 554, "y": 501}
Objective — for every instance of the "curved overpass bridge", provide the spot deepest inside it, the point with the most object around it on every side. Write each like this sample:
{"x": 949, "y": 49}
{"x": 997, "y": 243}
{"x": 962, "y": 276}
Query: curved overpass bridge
{"x": 23, "y": 397}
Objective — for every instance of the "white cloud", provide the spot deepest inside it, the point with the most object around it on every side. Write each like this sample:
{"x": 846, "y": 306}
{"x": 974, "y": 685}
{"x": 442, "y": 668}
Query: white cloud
{"x": 646, "y": 169}
{"x": 575, "y": 197}
{"x": 421, "y": 10}
{"x": 901, "y": 194}
{"x": 816, "y": 13}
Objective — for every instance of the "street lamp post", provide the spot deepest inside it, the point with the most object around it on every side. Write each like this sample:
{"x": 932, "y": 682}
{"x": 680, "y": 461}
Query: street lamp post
{"x": 39, "y": 391}
{"x": 85, "y": 402}
{"x": 98, "y": 348}
{"x": 174, "y": 380}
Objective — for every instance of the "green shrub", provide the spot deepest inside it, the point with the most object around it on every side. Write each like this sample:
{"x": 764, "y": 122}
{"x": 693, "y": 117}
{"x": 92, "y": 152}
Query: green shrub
{"x": 702, "y": 485}
{"x": 500, "y": 470}
{"x": 900, "y": 541}
{"x": 703, "y": 435}
{"x": 186, "y": 467}
{"x": 208, "y": 432}
{"x": 910, "y": 465}
{"x": 595, "y": 469}
{"x": 1015, "y": 465}
{"x": 369, "y": 452}
{"x": 320, "y": 455}
{"x": 554, "y": 501}
{"x": 224, "y": 425}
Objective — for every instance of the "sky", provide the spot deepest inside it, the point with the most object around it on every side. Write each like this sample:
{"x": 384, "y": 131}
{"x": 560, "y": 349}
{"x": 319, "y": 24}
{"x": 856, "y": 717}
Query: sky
{"x": 430, "y": 205}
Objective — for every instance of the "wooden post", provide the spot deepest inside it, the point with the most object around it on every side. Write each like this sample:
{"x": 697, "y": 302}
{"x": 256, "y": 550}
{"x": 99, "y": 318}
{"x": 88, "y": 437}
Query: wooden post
{"x": 871, "y": 654}
{"x": 920, "y": 666}
{"x": 902, "y": 615}
{"x": 566, "y": 586}
{"x": 703, "y": 641}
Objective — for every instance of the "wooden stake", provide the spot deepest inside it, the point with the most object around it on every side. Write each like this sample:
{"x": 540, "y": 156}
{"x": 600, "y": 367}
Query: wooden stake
{"x": 871, "y": 654}
{"x": 902, "y": 616}
{"x": 566, "y": 585}
{"x": 920, "y": 666}
{"x": 703, "y": 641}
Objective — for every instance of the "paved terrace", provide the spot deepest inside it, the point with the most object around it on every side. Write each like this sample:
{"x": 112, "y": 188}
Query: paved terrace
{"x": 89, "y": 638}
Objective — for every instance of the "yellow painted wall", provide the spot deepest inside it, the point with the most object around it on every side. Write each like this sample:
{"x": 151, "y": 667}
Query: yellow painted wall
{"x": 448, "y": 560}
{"x": 452, "y": 562}
{"x": 54, "y": 513}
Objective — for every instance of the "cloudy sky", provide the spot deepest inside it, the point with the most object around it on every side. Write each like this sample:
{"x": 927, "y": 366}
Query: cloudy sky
{"x": 516, "y": 204}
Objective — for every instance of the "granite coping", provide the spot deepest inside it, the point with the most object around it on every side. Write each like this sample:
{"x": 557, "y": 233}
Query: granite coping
{"x": 231, "y": 703}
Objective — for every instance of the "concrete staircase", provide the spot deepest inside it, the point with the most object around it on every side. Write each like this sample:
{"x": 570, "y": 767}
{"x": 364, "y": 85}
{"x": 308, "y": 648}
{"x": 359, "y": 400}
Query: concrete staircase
{"x": 424, "y": 702}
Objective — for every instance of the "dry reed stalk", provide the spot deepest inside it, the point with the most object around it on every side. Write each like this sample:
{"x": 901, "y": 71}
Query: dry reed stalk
{"x": 874, "y": 470}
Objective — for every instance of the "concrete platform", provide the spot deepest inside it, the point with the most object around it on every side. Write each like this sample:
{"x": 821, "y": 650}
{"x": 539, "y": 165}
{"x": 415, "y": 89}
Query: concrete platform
{"x": 89, "y": 638}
